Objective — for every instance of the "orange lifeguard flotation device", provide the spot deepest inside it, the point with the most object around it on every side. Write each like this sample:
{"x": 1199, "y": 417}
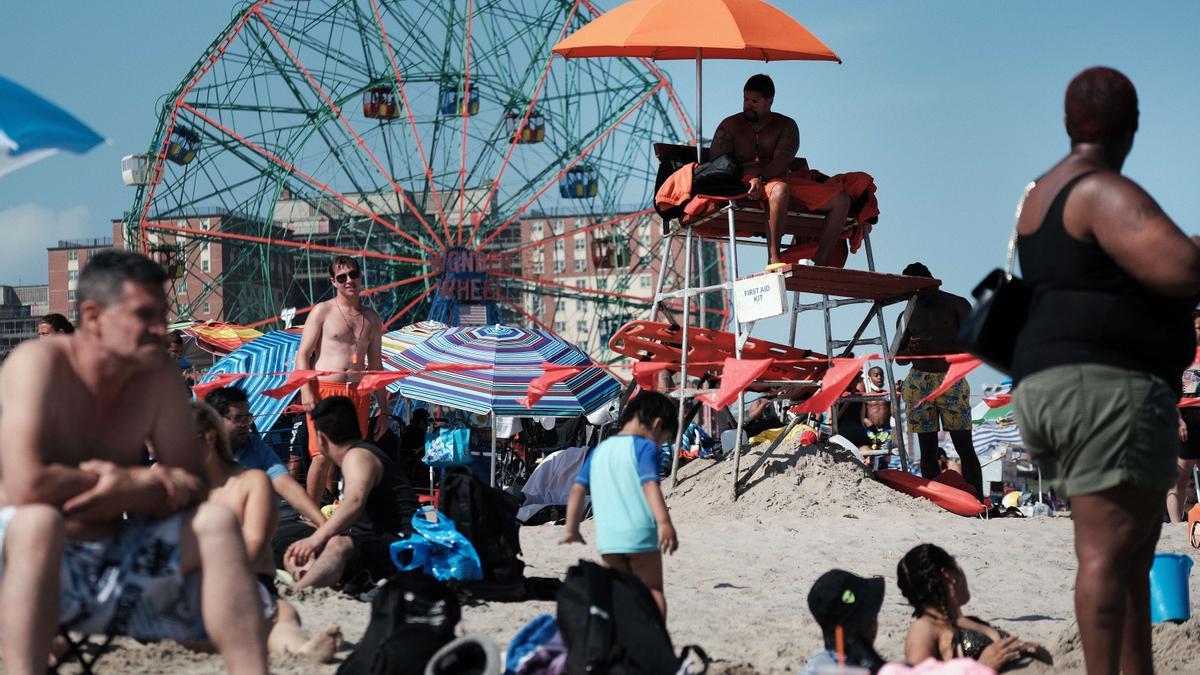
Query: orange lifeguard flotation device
{"x": 950, "y": 498}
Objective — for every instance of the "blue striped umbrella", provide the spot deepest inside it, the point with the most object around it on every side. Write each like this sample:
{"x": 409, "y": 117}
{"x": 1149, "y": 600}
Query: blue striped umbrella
{"x": 988, "y": 434}
{"x": 274, "y": 352}
{"x": 515, "y": 357}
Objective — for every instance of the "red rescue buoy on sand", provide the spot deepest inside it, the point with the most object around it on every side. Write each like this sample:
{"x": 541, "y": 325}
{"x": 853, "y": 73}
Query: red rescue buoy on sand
{"x": 950, "y": 498}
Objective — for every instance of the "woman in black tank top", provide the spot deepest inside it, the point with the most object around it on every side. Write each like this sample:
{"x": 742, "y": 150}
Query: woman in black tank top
{"x": 1099, "y": 362}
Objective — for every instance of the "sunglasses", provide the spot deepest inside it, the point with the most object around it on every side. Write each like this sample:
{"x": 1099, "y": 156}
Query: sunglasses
{"x": 346, "y": 276}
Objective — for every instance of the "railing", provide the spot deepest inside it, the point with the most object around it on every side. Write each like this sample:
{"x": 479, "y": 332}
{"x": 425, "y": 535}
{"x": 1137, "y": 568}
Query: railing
{"x": 97, "y": 242}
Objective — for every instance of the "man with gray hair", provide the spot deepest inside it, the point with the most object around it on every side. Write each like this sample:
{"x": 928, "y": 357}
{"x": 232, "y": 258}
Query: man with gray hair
{"x": 90, "y": 540}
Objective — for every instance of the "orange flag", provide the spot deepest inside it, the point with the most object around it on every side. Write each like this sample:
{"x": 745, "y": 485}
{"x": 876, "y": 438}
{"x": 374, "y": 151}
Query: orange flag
{"x": 377, "y": 380}
{"x": 646, "y": 373}
{"x": 736, "y": 375}
{"x": 833, "y": 384}
{"x": 222, "y": 380}
{"x": 960, "y": 365}
{"x": 295, "y": 380}
{"x": 551, "y": 375}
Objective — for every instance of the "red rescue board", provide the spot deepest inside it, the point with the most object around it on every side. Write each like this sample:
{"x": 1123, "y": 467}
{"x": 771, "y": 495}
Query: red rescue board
{"x": 950, "y": 498}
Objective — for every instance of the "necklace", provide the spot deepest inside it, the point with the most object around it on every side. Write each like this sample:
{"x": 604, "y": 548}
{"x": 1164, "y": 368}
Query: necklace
{"x": 353, "y": 333}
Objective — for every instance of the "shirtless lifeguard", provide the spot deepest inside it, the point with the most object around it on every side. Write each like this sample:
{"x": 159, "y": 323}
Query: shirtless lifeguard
{"x": 342, "y": 336}
{"x": 76, "y": 415}
{"x": 765, "y": 144}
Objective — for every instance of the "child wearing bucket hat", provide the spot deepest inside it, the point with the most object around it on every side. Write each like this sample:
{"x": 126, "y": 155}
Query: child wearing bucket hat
{"x": 847, "y": 601}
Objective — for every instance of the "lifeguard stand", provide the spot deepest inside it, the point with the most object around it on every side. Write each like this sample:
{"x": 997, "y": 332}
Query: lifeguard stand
{"x": 744, "y": 223}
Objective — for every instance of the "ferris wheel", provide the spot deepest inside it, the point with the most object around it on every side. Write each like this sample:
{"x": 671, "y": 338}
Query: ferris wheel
{"x": 433, "y": 140}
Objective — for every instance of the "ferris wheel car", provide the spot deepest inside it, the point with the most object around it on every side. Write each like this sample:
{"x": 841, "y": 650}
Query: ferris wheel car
{"x": 135, "y": 169}
{"x": 579, "y": 182}
{"x": 380, "y": 103}
{"x": 534, "y": 130}
{"x": 183, "y": 145}
{"x": 451, "y": 101}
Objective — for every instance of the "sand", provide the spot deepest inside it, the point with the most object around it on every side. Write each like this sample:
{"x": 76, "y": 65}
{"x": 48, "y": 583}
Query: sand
{"x": 738, "y": 584}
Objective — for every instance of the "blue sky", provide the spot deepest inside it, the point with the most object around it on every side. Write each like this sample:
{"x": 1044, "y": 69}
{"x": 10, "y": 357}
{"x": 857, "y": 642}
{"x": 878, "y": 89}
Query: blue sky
{"x": 951, "y": 105}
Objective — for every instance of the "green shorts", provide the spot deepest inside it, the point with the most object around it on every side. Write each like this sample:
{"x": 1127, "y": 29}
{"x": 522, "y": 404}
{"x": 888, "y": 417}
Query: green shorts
{"x": 1093, "y": 427}
{"x": 951, "y": 411}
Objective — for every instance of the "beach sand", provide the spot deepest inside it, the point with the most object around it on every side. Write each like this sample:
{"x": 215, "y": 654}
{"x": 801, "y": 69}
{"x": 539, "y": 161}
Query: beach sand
{"x": 738, "y": 585}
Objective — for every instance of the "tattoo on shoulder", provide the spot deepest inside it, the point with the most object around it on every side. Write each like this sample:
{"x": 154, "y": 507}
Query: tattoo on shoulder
{"x": 720, "y": 142}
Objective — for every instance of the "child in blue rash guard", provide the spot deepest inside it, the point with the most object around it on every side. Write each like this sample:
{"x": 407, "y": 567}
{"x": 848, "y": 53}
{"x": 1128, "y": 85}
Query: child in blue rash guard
{"x": 633, "y": 528}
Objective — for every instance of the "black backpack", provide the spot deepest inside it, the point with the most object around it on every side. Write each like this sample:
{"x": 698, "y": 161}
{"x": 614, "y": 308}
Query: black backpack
{"x": 412, "y": 617}
{"x": 611, "y": 625}
{"x": 487, "y": 517}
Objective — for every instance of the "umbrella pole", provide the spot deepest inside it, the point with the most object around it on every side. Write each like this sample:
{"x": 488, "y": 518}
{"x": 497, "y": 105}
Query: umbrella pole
{"x": 492, "y": 415}
{"x": 699, "y": 103}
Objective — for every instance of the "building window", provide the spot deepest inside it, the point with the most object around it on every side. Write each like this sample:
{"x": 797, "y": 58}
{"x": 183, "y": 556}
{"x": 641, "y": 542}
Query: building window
{"x": 559, "y": 226}
{"x": 559, "y": 246}
{"x": 204, "y": 264}
{"x": 581, "y": 326}
{"x": 535, "y": 231}
{"x": 645, "y": 239}
{"x": 560, "y": 305}
{"x": 580, "y": 244}
{"x": 539, "y": 265}
{"x": 602, "y": 283}
{"x": 644, "y": 281}
{"x": 560, "y": 266}
{"x": 580, "y": 265}
{"x": 207, "y": 309}
{"x": 72, "y": 255}
{"x": 71, "y": 295}
{"x": 73, "y": 314}
{"x": 560, "y": 326}
{"x": 72, "y": 275}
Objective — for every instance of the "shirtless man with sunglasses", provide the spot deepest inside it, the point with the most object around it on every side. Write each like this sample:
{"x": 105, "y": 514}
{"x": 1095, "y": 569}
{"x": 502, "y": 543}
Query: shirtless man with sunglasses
{"x": 343, "y": 336}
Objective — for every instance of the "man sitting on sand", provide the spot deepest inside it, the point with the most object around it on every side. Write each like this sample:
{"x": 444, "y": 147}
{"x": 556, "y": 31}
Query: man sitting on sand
{"x": 765, "y": 144}
{"x": 77, "y": 415}
{"x": 342, "y": 336}
{"x": 377, "y": 505}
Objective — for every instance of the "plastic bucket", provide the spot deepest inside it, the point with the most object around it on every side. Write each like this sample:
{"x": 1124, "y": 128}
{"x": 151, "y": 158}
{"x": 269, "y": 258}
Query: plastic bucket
{"x": 1169, "y": 588}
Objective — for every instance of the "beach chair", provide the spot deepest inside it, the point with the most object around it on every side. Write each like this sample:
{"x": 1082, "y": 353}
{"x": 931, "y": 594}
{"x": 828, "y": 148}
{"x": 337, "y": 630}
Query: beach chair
{"x": 83, "y": 651}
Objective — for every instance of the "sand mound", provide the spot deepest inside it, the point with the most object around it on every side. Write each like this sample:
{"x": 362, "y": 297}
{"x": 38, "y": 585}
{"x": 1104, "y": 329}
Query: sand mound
{"x": 1176, "y": 648}
{"x": 811, "y": 480}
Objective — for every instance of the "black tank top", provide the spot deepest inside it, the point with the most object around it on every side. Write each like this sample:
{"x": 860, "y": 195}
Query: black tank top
{"x": 390, "y": 505}
{"x": 1086, "y": 309}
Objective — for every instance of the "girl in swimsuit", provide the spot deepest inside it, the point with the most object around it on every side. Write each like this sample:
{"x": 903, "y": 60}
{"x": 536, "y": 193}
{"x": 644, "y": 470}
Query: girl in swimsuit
{"x": 935, "y": 585}
{"x": 248, "y": 493}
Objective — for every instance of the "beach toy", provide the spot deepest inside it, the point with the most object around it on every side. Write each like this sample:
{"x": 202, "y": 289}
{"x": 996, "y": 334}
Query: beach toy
{"x": 950, "y": 498}
{"x": 1169, "y": 588}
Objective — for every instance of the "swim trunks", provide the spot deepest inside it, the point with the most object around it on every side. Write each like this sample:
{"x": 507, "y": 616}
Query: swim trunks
{"x": 362, "y": 404}
{"x": 952, "y": 408}
{"x": 129, "y": 584}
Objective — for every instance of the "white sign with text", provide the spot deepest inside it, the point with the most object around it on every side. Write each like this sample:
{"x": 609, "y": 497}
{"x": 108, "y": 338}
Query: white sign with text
{"x": 759, "y": 296}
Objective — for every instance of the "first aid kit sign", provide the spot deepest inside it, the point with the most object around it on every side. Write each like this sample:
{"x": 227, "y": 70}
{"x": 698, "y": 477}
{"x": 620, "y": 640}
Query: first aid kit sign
{"x": 759, "y": 296}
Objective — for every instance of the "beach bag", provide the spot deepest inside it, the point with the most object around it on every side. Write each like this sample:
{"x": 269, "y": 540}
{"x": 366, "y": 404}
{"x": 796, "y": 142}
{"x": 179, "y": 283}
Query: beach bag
{"x": 487, "y": 517}
{"x": 448, "y": 446}
{"x": 437, "y": 548}
{"x": 721, "y": 177}
{"x": 1001, "y": 309}
{"x": 412, "y": 617}
{"x": 611, "y": 625}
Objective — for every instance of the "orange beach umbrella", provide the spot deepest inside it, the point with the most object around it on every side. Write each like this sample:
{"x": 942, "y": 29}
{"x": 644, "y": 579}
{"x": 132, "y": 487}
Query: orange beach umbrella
{"x": 751, "y": 30}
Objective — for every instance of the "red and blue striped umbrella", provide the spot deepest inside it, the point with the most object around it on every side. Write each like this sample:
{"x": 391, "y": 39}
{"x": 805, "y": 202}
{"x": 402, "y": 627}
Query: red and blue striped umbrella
{"x": 514, "y": 357}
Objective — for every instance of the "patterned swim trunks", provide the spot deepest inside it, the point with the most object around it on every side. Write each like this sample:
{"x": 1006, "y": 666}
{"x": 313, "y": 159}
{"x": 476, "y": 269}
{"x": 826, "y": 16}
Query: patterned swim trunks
{"x": 952, "y": 409}
{"x": 129, "y": 584}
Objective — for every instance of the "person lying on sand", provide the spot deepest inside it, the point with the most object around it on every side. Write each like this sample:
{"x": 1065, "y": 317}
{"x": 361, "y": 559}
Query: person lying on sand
{"x": 839, "y": 599}
{"x": 633, "y": 527}
{"x": 935, "y": 585}
{"x": 248, "y": 493}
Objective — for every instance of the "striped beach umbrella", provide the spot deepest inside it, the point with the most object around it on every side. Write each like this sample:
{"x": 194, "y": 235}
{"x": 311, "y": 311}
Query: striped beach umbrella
{"x": 515, "y": 357}
{"x": 985, "y": 436}
{"x": 274, "y": 352}
{"x": 219, "y": 338}
{"x": 396, "y": 341}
